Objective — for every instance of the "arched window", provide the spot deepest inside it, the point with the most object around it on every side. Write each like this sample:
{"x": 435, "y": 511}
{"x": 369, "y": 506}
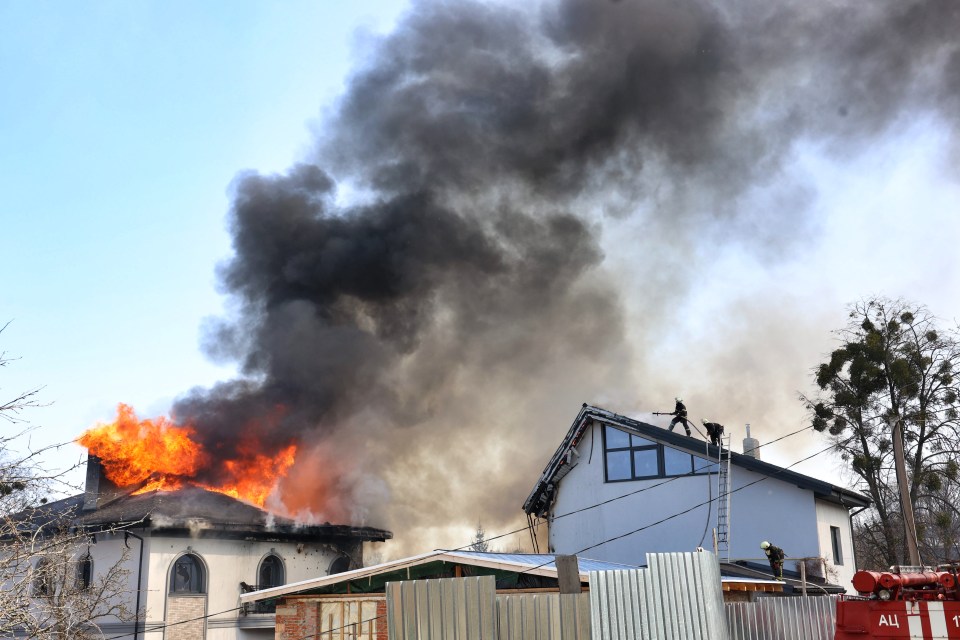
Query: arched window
{"x": 339, "y": 565}
{"x": 271, "y": 572}
{"x": 85, "y": 572}
{"x": 186, "y": 575}
{"x": 42, "y": 579}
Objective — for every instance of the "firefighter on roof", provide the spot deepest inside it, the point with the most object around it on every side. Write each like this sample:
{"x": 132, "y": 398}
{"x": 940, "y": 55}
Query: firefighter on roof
{"x": 679, "y": 415}
{"x": 775, "y": 555}
{"x": 714, "y": 430}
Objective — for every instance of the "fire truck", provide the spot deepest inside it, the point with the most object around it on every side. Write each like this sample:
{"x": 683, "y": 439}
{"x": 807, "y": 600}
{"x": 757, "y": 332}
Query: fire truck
{"x": 905, "y": 602}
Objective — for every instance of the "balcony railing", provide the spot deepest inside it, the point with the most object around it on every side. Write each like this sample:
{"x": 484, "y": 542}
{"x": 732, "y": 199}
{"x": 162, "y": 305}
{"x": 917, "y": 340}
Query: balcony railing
{"x": 260, "y": 606}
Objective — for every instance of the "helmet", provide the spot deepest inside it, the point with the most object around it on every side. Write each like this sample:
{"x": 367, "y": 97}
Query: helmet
{"x": 764, "y": 545}
{"x": 703, "y": 420}
{"x": 679, "y": 399}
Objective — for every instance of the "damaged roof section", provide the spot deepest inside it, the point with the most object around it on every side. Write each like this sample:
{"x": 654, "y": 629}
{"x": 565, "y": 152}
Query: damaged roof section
{"x": 189, "y": 510}
{"x": 194, "y": 511}
{"x": 565, "y": 457}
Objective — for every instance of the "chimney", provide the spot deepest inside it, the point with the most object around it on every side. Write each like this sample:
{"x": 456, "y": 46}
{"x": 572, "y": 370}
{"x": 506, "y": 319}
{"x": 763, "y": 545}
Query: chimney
{"x": 98, "y": 489}
{"x": 751, "y": 446}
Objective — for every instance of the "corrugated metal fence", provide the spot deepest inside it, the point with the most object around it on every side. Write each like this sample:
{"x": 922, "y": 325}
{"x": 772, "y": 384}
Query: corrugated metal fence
{"x": 442, "y": 609}
{"x": 679, "y": 596}
{"x": 544, "y": 616}
{"x": 798, "y": 618}
{"x": 470, "y": 609}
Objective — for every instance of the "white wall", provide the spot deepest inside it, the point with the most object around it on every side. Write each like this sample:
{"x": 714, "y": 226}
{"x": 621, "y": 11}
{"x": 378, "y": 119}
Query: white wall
{"x": 227, "y": 563}
{"x": 769, "y": 510}
{"x": 835, "y": 515}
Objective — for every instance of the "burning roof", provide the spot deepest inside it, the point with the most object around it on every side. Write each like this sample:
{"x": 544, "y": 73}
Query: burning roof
{"x": 199, "y": 511}
{"x": 154, "y": 454}
{"x": 155, "y": 472}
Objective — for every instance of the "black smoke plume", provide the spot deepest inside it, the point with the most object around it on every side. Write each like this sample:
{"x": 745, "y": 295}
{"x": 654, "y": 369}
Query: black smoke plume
{"x": 427, "y": 296}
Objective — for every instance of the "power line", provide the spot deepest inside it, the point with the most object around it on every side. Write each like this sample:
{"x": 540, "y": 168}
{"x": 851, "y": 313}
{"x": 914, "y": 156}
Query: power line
{"x": 645, "y": 527}
{"x": 163, "y": 625}
{"x": 695, "y": 472}
{"x": 685, "y": 511}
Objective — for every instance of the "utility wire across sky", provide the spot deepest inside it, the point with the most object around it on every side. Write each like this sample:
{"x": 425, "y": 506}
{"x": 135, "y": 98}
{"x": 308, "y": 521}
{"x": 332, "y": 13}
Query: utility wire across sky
{"x": 465, "y": 547}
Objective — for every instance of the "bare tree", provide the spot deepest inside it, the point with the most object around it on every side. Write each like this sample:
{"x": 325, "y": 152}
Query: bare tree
{"x": 49, "y": 587}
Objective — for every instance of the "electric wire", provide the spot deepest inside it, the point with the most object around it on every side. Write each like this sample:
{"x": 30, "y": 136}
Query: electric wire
{"x": 666, "y": 481}
{"x": 649, "y": 526}
{"x": 162, "y": 626}
{"x": 685, "y": 511}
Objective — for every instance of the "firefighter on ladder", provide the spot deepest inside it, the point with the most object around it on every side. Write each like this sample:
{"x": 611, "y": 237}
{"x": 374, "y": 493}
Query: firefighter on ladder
{"x": 775, "y": 555}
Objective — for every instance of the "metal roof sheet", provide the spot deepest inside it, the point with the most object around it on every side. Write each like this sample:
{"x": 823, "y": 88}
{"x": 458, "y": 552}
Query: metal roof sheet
{"x": 545, "y": 560}
{"x": 542, "y": 564}
{"x": 531, "y": 563}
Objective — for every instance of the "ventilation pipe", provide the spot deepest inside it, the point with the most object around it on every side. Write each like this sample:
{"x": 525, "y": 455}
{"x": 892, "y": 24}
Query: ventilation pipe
{"x": 751, "y": 446}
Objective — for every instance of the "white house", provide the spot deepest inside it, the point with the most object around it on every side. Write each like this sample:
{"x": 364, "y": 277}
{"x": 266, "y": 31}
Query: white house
{"x": 191, "y": 553}
{"x": 617, "y": 488}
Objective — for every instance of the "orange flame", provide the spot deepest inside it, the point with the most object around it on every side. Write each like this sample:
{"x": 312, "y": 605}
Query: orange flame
{"x": 158, "y": 455}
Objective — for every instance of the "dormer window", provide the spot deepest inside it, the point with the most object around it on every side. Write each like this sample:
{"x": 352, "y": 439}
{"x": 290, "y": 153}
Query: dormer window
{"x": 630, "y": 457}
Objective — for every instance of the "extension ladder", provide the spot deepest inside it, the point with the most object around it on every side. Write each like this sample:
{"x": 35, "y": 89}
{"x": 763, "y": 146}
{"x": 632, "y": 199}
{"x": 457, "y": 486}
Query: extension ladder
{"x": 723, "y": 500}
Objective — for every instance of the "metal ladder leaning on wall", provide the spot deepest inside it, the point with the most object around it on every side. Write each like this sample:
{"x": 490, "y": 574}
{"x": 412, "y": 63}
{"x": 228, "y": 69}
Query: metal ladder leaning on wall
{"x": 723, "y": 500}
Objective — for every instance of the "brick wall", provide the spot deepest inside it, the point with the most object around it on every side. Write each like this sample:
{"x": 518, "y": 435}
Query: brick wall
{"x": 332, "y": 618}
{"x": 297, "y": 618}
{"x": 382, "y": 620}
{"x": 181, "y": 608}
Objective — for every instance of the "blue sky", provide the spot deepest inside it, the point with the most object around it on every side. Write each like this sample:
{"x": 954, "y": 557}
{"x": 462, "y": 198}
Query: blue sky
{"x": 122, "y": 125}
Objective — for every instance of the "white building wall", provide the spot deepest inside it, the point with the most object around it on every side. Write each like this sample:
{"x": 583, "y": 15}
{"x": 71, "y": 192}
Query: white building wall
{"x": 227, "y": 563}
{"x": 105, "y": 553}
{"x": 835, "y": 515}
{"x": 769, "y": 510}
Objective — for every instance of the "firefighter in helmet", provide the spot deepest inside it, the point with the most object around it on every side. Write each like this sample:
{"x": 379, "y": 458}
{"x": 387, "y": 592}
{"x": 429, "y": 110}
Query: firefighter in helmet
{"x": 714, "y": 430}
{"x": 680, "y": 416}
{"x": 775, "y": 556}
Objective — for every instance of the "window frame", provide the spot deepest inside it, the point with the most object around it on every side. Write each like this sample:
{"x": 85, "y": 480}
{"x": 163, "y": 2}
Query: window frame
{"x": 836, "y": 544}
{"x": 85, "y": 577}
{"x": 279, "y": 563}
{"x": 653, "y": 445}
{"x": 201, "y": 569}
{"x": 41, "y": 585}
{"x": 333, "y": 564}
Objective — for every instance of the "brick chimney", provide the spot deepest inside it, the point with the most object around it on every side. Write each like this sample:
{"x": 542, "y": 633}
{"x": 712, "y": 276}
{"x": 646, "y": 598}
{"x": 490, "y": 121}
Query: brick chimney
{"x": 98, "y": 490}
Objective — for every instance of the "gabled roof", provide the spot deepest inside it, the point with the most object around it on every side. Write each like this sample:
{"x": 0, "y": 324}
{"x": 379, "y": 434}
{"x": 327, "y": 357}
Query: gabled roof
{"x": 199, "y": 512}
{"x": 405, "y": 568}
{"x": 539, "y": 499}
